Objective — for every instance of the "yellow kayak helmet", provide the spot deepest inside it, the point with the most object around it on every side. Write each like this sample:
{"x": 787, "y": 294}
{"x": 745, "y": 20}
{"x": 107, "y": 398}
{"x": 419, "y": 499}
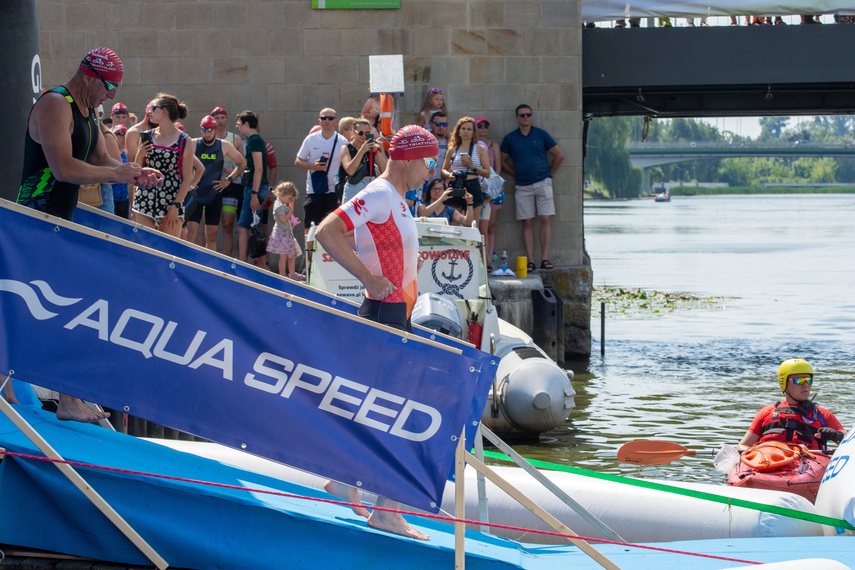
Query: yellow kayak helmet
{"x": 792, "y": 366}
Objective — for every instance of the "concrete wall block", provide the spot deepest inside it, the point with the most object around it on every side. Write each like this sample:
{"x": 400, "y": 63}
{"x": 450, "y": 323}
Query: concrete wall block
{"x": 394, "y": 42}
{"x": 561, "y": 69}
{"x": 469, "y": 42}
{"x": 486, "y": 70}
{"x": 413, "y": 15}
{"x": 297, "y": 126}
{"x": 561, "y": 14}
{"x": 374, "y": 19}
{"x": 448, "y": 71}
{"x": 486, "y": 15}
{"x": 300, "y": 16}
{"x": 523, "y": 70}
{"x": 83, "y": 16}
{"x": 183, "y": 43}
{"x": 352, "y": 98}
{"x": 503, "y": 97}
{"x": 303, "y": 70}
{"x": 570, "y": 41}
{"x": 190, "y": 16}
{"x": 205, "y": 99}
{"x": 541, "y": 96}
{"x": 542, "y": 42}
{"x": 251, "y": 97}
{"x": 235, "y": 16}
{"x": 428, "y": 42}
{"x": 132, "y": 75}
{"x": 194, "y": 70}
{"x": 266, "y": 70}
{"x": 570, "y": 96}
{"x": 323, "y": 42}
{"x": 285, "y": 43}
{"x": 157, "y": 71}
{"x": 254, "y": 47}
{"x": 136, "y": 43}
{"x": 358, "y": 42}
{"x": 417, "y": 70}
{"x": 340, "y": 71}
{"x": 230, "y": 70}
{"x": 445, "y": 15}
{"x": 465, "y": 100}
{"x": 106, "y": 38}
{"x": 505, "y": 41}
{"x": 317, "y": 97}
{"x": 268, "y": 15}
{"x": 53, "y": 16}
{"x": 284, "y": 97}
{"x": 522, "y": 15}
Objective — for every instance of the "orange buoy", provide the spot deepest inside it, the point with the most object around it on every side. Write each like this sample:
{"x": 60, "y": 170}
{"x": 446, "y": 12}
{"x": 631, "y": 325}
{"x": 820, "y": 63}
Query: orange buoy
{"x": 387, "y": 109}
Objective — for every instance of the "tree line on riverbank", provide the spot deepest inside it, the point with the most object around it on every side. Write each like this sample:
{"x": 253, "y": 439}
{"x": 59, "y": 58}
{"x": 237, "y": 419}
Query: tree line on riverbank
{"x": 607, "y": 163}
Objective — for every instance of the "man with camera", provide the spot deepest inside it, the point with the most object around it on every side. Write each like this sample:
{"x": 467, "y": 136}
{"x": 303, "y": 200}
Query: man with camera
{"x": 320, "y": 154}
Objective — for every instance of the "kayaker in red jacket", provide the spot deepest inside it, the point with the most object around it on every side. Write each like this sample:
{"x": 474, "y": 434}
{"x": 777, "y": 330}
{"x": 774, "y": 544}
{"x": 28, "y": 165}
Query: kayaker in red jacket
{"x": 794, "y": 419}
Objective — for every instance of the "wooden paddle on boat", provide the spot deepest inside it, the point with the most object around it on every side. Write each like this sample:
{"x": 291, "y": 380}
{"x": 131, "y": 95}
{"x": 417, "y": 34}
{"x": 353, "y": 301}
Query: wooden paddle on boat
{"x": 649, "y": 452}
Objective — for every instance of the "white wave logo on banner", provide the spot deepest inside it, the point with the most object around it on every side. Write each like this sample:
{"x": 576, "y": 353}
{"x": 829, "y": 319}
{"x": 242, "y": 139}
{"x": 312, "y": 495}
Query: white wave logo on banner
{"x": 34, "y": 304}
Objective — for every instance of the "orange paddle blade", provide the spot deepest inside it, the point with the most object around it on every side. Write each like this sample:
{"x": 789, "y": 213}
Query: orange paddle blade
{"x": 649, "y": 452}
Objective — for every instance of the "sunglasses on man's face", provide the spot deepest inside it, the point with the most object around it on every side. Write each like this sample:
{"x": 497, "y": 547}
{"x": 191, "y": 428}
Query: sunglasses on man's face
{"x": 208, "y": 130}
{"x": 430, "y": 163}
{"x": 441, "y": 124}
{"x": 524, "y": 115}
{"x": 327, "y": 117}
{"x": 483, "y": 126}
{"x": 107, "y": 85}
{"x": 120, "y": 113}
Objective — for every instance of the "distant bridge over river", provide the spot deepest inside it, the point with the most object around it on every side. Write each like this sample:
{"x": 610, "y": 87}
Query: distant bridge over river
{"x": 646, "y": 155}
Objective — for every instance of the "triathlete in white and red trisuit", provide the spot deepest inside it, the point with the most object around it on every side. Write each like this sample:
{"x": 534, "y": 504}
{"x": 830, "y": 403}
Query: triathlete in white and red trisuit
{"x": 387, "y": 264}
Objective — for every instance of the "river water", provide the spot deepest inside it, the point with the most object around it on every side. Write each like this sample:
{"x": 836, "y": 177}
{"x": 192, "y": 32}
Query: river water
{"x": 771, "y": 277}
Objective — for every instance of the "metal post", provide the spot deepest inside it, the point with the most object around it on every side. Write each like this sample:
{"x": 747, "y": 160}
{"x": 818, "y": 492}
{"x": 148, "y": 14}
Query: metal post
{"x": 460, "y": 504}
{"x": 603, "y": 328}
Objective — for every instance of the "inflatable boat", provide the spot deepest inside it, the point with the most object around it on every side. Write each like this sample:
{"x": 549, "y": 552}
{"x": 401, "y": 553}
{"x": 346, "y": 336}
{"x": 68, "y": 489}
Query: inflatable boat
{"x": 531, "y": 393}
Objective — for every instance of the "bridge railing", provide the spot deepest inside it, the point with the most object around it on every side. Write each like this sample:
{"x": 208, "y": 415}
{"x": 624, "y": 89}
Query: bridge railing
{"x": 684, "y": 145}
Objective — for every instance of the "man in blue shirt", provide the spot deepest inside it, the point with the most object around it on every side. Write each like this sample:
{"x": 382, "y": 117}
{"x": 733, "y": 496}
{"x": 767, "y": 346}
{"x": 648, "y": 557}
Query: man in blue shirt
{"x": 525, "y": 155}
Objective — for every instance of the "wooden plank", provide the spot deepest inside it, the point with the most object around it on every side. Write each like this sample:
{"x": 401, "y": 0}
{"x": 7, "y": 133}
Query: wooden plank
{"x": 516, "y": 494}
{"x": 84, "y": 487}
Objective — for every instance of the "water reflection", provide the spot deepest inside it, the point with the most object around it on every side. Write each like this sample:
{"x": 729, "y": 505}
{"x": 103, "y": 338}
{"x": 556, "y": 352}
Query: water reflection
{"x": 785, "y": 268}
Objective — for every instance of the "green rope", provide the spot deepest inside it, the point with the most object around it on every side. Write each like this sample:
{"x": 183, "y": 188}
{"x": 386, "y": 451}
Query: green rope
{"x": 783, "y": 511}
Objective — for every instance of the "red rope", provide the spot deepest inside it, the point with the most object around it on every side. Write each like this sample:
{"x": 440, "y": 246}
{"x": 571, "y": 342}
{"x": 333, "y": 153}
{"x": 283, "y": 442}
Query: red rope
{"x": 345, "y": 504}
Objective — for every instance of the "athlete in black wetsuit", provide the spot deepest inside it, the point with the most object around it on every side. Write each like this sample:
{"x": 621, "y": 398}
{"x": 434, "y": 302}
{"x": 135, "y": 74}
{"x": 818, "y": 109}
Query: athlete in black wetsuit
{"x": 64, "y": 149}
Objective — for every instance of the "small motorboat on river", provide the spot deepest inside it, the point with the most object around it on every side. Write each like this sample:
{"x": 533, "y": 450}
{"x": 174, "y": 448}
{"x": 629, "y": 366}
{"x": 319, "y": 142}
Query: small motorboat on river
{"x": 662, "y": 197}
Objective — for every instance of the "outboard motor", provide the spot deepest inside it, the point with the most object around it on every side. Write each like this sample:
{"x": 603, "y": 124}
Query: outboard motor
{"x": 439, "y": 313}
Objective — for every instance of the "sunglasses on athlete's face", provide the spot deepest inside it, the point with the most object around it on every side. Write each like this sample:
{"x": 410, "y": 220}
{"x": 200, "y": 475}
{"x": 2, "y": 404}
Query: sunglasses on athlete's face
{"x": 327, "y": 117}
{"x": 483, "y": 126}
{"x": 209, "y": 130}
{"x": 120, "y": 113}
{"x": 430, "y": 163}
{"x": 802, "y": 381}
{"x": 441, "y": 124}
{"x": 524, "y": 115}
{"x": 107, "y": 85}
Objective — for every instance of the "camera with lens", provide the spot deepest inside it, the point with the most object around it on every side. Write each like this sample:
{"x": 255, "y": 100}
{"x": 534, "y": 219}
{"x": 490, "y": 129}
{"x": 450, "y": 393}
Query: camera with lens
{"x": 457, "y": 188}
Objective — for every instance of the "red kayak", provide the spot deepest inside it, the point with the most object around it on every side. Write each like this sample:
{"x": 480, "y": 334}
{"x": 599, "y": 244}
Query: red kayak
{"x": 780, "y": 467}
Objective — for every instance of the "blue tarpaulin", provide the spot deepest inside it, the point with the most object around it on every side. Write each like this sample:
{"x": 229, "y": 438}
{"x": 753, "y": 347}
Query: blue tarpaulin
{"x": 233, "y": 361}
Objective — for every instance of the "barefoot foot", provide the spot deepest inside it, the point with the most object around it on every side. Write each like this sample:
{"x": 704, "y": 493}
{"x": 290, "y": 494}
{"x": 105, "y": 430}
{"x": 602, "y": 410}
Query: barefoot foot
{"x": 393, "y": 522}
{"x": 8, "y": 391}
{"x": 346, "y": 493}
{"x": 74, "y": 409}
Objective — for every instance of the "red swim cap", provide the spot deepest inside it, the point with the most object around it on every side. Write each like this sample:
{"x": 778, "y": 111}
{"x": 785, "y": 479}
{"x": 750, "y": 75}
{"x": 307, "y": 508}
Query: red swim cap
{"x": 218, "y": 111}
{"x": 120, "y": 129}
{"x": 208, "y": 122}
{"x": 119, "y": 109}
{"x": 413, "y": 142}
{"x": 105, "y": 62}
{"x": 179, "y": 125}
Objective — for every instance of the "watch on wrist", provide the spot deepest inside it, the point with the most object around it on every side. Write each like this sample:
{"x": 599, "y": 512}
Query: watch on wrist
{"x": 230, "y": 179}
{"x": 254, "y": 192}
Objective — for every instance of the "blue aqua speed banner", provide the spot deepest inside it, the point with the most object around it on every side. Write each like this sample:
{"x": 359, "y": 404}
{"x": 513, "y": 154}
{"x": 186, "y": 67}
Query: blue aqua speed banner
{"x": 235, "y": 362}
